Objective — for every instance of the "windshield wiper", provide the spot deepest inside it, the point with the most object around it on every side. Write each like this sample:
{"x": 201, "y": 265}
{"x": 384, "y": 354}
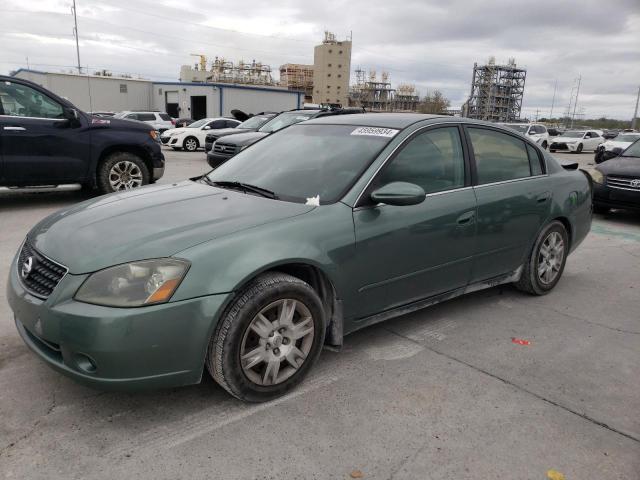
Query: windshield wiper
{"x": 246, "y": 187}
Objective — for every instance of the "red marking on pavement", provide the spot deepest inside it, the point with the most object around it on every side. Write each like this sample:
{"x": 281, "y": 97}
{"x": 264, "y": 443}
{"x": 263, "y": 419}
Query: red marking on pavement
{"x": 520, "y": 341}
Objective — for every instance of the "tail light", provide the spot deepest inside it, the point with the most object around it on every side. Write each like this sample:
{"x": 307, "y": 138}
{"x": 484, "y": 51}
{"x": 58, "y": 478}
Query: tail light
{"x": 173, "y": 122}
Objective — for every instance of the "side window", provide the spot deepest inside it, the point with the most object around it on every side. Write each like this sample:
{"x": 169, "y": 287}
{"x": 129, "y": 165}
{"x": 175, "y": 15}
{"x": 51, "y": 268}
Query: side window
{"x": 433, "y": 160}
{"x": 218, "y": 124}
{"x": 146, "y": 117}
{"x": 21, "y": 101}
{"x": 232, "y": 124}
{"x": 534, "y": 160}
{"x": 165, "y": 117}
{"x": 498, "y": 156}
{"x": 132, "y": 116}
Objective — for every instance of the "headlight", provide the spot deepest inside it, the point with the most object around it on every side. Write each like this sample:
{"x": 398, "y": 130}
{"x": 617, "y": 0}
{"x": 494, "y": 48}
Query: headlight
{"x": 134, "y": 284}
{"x": 597, "y": 176}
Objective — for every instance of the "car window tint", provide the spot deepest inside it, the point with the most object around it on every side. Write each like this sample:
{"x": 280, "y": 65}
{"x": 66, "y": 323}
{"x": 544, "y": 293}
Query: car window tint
{"x": 498, "y": 156}
{"x": 146, "y": 117}
{"x": 433, "y": 160}
{"x": 22, "y": 101}
{"x": 132, "y": 116}
{"x": 218, "y": 124}
{"x": 165, "y": 117}
{"x": 231, "y": 124}
{"x": 534, "y": 160}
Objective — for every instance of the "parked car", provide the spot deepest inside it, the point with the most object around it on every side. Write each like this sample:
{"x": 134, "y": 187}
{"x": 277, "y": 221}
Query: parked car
{"x": 314, "y": 232}
{"x": 554, "y": 132}
{"x": 250, "y": 125}
{"x": 102, "y": 114}
{"x": 621, "y": 142}
{"x": 223, "y": 150}
{"x": 536, "y": 131}
{"x": 159, "y": 120}
{"x": 46, "y": 142}
{"x": 609, "y": 134}
{"x": 183, "y": 122}
{"x": 576, "y": 141}
{"x": 193, "y": 136}
{"x": 617, "y": 181}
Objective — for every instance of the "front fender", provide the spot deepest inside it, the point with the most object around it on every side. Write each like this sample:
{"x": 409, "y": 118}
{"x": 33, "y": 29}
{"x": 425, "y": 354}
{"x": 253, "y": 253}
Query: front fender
{"x": 323, "y": 238}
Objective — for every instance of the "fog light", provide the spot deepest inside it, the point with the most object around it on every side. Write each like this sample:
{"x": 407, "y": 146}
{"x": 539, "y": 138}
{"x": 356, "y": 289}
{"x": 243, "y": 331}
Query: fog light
{"x": 85, "y": 363}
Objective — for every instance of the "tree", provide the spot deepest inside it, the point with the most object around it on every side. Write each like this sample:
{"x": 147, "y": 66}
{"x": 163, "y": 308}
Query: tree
{"x": 434, "y": 102}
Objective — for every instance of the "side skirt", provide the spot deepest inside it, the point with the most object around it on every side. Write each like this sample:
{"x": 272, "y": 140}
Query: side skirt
{"x": 510, "y": 277}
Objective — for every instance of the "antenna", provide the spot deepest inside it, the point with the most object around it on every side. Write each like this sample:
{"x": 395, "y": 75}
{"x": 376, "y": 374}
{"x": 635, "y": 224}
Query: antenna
{"x": 75, "y": 34}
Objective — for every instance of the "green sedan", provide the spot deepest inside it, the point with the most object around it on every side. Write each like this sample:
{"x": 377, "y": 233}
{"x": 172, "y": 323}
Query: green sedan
{"x": 310, "y": 234}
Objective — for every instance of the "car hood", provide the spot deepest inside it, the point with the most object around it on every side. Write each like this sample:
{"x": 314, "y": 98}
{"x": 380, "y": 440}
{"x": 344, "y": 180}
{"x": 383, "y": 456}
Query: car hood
{"x": 151, "y": 222}
{"x": 621, "y": 166}
{"x": 611, "y": 144}
{"x": 566, "y": 139}
{"x": 118, "y": 123}
{"x": 223, "y": 132}
{"x": 177, "y": 131}
{"x": 244, "y": 138}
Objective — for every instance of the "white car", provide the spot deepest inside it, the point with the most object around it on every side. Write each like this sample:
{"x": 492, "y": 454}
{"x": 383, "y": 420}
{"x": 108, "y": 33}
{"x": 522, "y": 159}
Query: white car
{"x": 535, "y": 131}
{"x": 622, "y": 141}
{"x": 577, "y": 141}
{"x": 160, "y": 121}
{"x": 193, "y": 136}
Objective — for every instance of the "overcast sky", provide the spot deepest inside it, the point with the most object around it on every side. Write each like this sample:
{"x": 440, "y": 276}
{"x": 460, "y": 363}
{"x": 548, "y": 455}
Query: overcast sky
{"x": 430, "y": 43}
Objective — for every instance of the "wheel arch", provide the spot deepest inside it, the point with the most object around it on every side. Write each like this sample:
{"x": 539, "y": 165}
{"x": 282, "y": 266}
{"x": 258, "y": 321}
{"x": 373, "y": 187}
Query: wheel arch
{"x": 568, "y": 227}
{"x": 133, "y": 149}
{"x": 184, "y": 140}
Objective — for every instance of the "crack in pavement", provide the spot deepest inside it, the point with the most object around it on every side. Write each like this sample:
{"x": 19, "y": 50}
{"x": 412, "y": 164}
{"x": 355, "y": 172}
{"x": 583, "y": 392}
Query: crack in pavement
{"x": 508, "y": 382}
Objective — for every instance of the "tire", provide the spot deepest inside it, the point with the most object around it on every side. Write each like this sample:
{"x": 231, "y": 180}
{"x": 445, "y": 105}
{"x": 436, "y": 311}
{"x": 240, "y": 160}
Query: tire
{"x": 579, "y": 149}
{"x": 552, "y": 151}
{"x": 121, "y": 163}
{"x": 190, "y": 144}
{"x": 530, "y": 280}
{"x": 600, "y": 209}
{"x": 250, "y": 377}
{"x": 544, "y": 145}
{"x": 177, "y": 148}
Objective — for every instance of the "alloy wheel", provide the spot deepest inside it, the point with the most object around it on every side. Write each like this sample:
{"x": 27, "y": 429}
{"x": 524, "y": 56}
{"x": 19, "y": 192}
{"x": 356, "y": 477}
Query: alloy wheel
{"x": 277, "y": 342}
{"x": 550, "y": 258}
{"x": 191, "y": 144}
{"x": 125, "y": 175}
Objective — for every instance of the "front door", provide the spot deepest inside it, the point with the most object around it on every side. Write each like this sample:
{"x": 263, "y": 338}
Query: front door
{"x": 408, "y": 253}
{"x": 513, "y": 200}
{"x": 38, "y": 144}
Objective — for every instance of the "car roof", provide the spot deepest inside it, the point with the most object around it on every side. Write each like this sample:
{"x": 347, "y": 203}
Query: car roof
{"x": 385, "y": 120}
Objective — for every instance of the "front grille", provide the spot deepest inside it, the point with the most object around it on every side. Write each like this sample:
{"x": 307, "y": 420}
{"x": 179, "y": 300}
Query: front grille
{"x": 210, "y": 138}
{"x": 558, "y": 146}
{"x": 625, "y": 183}
{"x": 225, "y": 149}
{"x": 38, "y": 274}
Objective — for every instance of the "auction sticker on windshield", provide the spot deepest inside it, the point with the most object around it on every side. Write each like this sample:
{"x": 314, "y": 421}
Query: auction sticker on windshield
{"x": 375, "y": 131}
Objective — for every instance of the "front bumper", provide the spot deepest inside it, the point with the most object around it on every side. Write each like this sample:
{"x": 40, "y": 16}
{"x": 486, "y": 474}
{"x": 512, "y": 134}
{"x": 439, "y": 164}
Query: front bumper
{"x": 115, "y": 348}
{"x": 215, "y": 160}
{"x": 571, "y": 147}
{"x": 608, "y": 196}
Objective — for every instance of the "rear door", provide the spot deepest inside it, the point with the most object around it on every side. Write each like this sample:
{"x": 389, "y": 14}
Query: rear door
{"x": 39, "y": 146}
{"x": 514, "y": 199}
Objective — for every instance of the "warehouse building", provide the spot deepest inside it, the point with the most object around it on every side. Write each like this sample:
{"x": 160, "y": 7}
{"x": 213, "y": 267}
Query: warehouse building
{"x": 94, "y": 93}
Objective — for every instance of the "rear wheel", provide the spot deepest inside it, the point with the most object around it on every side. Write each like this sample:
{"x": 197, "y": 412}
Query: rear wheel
{"x": 190, "y": 144}
{"x": 122, "y": 171}
{"x": 545, "y": 264}
{"x": 552, "y": 151}
{"x": 268, "y": 339}
{"x": 600, "y": 209}
{"x": 579, "y": 149}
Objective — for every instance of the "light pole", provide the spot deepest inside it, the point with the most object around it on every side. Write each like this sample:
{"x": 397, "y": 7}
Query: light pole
{"x": 635, "y": 113}
{"x": 75, "y": 34}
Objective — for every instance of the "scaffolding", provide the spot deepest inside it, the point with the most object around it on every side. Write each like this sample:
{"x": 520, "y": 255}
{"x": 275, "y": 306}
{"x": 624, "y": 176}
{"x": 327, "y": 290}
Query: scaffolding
{"x": 295, "y": 76}
{"x": 496, "y": 92}
{"x": 224, "y": 71}
{"x": 406, "y": 98}
{"x": 372, "y": 94}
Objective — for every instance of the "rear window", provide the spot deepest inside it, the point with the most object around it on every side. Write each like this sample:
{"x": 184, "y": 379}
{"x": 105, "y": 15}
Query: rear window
{"x": 146, "y": 117}
{"x": 165, "y": 117}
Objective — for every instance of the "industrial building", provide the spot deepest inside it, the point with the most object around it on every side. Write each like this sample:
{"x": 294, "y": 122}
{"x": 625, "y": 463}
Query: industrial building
{"x": 297, "y": 76}
{"x": 496, "y": 92}
{"x": 331, "y": 71}
{"x": 179, "y": 99}
{"x": 378, "y": 95}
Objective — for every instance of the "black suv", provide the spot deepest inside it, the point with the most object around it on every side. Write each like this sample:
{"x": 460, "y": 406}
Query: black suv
{"x": 250, "y": 125}
{"x": 46, "y": 142}
{"x": 226, "y": 148}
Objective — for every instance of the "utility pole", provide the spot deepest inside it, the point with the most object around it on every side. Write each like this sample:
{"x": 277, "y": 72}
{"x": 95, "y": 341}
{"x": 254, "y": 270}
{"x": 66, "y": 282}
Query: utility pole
{"x": 635, "y": 113}
{"x": 575, "y": 104}
{"x": 553, "y": 101}
{"x": 75, "y": 34}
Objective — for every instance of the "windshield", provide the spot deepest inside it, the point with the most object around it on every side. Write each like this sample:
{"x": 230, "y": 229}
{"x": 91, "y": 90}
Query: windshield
{"x": 284, "y": 120}
{"x": 626, "y": 137}
{"x": 633, "y": 150}
{"x": 255, "y": 122}
{"x": 199, "y": 123}
{"x": 518, "y": 128}
{"x": 573, "y": 134}
{"x": 304, "y": 162}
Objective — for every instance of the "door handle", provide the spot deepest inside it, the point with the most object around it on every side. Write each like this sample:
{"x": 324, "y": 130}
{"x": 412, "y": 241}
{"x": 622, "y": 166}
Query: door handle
{"x": 15, "y": 129}
{"x": 543, "y": 197}
{"x": 466, "y": 218}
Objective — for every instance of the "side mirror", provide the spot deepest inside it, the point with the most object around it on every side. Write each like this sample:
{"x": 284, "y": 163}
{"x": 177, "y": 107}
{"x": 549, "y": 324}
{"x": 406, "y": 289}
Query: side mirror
{"x": 70, "y": 113}
{"x": 398, "y": 193}
{"x": 206, "y": 127}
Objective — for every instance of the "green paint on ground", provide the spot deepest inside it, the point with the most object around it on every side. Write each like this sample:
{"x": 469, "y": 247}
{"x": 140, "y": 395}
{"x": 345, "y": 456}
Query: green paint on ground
{"x": 600, "y": 229}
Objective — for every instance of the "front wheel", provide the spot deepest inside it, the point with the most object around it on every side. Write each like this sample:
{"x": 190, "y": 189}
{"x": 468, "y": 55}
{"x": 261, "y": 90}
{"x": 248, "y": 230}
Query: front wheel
{"x": 546, "y": 262}
{"x": 544, "y": 145}
{"x": 268, "y": 339}
{"x": 552, "y": 151}
{"x": 190, "y": 144}
{"x": 121, "y": 171}
{"x": 579, "y": 149}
